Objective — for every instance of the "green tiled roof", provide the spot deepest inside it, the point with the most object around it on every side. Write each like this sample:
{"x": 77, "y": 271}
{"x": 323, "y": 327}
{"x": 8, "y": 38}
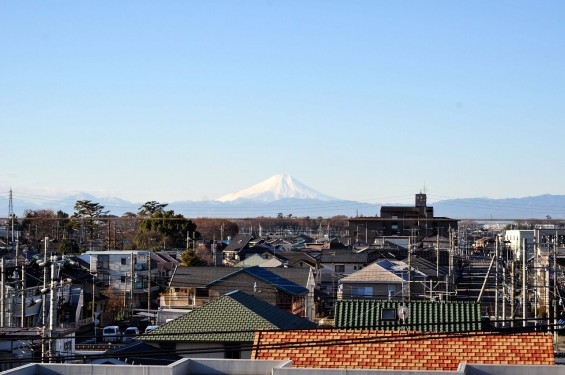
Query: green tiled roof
{"x": 224, "y": 319}
{"x": 451, "y": 316}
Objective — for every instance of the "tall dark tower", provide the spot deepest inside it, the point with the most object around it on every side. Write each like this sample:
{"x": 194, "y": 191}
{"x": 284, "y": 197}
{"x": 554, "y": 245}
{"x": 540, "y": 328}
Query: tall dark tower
{"x": 421, "y": 205}
{"x": 420, "y": 200}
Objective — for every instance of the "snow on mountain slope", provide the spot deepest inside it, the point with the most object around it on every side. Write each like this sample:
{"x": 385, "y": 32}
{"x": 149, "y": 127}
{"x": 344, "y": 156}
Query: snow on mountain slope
{"x": 275, "y": 188}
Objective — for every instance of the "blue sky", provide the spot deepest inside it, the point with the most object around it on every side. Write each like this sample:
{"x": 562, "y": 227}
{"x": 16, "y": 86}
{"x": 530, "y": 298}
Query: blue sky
{"x": 361, "y": 100}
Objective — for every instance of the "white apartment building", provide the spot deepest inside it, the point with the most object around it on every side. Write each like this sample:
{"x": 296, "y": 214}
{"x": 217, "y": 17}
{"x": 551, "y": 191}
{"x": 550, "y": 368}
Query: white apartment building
{"x": 514, "y": 239}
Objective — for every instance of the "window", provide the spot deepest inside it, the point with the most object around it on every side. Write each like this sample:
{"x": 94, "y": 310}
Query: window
{"x": 103, "y": 261}
{"x": 391, "y": 290}
{"x": 388, "y": 314}
{"x": 361, "y": 291}
{"x": 123, "y": 279}
{"x": 124, "y": 261}
{"x": 233, "y": 351}
{"x": 339, "y": 268}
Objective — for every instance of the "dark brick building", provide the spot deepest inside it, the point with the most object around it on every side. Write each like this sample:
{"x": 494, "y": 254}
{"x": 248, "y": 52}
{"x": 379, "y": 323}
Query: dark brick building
{"x": 416, "y": 222}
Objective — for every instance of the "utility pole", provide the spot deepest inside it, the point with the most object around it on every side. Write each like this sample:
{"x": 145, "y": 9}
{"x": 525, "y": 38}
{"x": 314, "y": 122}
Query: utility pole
{"x": 496, "y": 282}
{"x": 23, "y": 293}
{"x": 437, "y": 256}
{"x": 555, "y": 292}
{"x": 512, "y": 291}
{"x": 11, "y": 213}
{"x": 52, "y": 311}
{"x": 93, "y": 307}
{"x": 149, "y": 282}
{"x": 132, "y": 284}
{"x": 524, "y": 282}
{"x": 2, "y": 306}
{"x": 44, "y": 302}
{"x": 115, "y": 237}
{"x": 409, "y": 268}
{"x": 504, "y": 296}
{"x": 450, "y": 252}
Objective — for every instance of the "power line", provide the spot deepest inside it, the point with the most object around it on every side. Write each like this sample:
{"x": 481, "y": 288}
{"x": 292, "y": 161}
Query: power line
{"x": 390, "y": 336}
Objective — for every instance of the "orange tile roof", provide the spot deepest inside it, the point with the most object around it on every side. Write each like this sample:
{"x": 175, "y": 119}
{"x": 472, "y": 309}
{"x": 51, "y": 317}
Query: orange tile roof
{"x": 402, "y": 350}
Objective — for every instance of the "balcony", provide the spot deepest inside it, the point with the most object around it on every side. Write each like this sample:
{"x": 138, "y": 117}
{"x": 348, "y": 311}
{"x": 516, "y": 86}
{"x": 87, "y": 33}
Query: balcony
{"x": 140, "y": 267}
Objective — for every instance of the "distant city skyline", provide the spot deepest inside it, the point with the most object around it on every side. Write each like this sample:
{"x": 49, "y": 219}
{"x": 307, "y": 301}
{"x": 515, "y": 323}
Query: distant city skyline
{"x": 366, "y": 101}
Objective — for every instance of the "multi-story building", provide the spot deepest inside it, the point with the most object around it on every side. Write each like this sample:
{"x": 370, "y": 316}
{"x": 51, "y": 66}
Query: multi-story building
{"x": 514, "y": 239}
{"x": 129, "y": 274}
{"x": 417, "y": 222}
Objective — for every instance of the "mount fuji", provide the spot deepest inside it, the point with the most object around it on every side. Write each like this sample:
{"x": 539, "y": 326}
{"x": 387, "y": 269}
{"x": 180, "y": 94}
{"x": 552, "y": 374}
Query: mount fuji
{"x": 277, "y": 187}
{"x": 279, "y": 194}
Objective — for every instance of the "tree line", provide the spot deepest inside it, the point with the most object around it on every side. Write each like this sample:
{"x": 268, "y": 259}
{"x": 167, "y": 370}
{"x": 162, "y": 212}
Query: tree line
{"x": 152, "y": 227}
{"x": 90, "y": 227}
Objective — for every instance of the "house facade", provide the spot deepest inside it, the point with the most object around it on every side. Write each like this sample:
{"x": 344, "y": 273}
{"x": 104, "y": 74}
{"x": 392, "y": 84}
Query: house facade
{"x": 130, "y": 275}
{"x": 384, "y": 279}
{"x": 291, "y": 289}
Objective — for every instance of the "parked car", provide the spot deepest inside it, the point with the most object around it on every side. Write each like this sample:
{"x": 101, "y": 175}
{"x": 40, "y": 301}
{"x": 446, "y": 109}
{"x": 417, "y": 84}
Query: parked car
{"x": 150, "y": 328}
{"x": 111, "y": 334}
{"x": 130, "y": 333}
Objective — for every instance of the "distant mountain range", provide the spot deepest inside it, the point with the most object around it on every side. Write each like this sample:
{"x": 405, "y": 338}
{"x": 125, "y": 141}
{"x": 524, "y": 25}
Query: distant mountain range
{"x": 283, "y": 195}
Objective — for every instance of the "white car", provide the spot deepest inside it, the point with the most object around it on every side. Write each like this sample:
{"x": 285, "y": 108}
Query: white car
{"x": 130, "y": 333}
{"x": 150, "y": 328}
{"x": 111, "y": 334}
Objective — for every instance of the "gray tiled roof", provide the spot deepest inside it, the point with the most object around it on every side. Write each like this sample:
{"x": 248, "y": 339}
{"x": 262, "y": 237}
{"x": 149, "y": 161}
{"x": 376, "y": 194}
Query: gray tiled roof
{"x": 294, "y": 257}
{"x": 451, "y": 316}
{"x": 239, "y": 242}
{"x": 199, "y": 277}
{"x": 269, "y": 277}
{"x": 233, "y": 317}
{"x": 343, "y": 256}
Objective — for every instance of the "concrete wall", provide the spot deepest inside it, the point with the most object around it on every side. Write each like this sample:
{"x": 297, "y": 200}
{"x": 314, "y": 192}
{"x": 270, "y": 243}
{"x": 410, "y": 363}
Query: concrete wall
{"x": 512, "y": 370}
{"x": 310, "y": 371}
{"x": 262, "y": 367}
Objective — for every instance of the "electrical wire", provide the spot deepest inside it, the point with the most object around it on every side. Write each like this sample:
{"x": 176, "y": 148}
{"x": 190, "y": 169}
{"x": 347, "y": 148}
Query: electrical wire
{"x": 389, "y": 336}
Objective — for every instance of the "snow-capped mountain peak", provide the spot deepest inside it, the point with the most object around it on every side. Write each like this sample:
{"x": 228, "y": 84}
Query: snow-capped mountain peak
{"x": 277, "y": 187}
